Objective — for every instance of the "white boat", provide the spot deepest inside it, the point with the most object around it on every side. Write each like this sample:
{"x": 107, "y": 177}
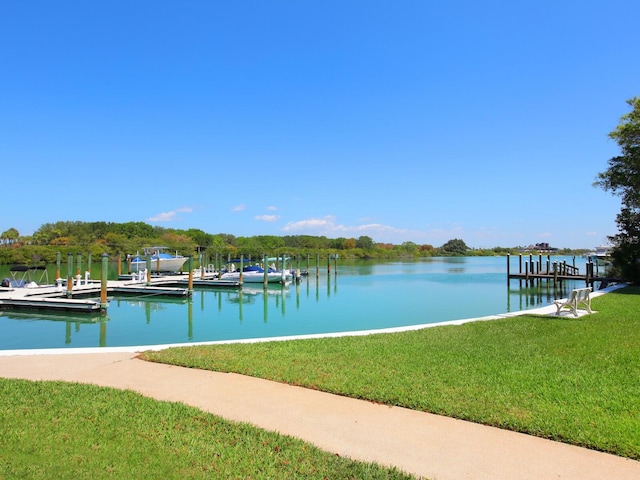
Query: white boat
{"x": 254, "y": 274}
{"x": 603, "y": 251}
{"x": 161, "y": 260}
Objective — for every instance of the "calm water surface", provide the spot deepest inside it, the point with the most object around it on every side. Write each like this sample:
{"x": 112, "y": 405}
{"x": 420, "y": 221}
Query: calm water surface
{"x": 358, "y": 296}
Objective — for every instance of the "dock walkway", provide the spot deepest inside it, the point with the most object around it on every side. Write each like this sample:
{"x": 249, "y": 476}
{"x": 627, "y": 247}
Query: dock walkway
{"x": 83, "y": 296}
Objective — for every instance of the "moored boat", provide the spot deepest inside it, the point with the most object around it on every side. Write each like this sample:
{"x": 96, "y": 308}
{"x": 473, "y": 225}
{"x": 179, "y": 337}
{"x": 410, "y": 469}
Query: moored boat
{"x": 603, "y": 251}
{"x": 161, "y": 260}
{"x": 254, "y": 274}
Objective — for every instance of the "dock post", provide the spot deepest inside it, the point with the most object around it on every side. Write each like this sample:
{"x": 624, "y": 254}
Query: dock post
{"x": 241, "y": 268}
{"x": 265, "y": 278}
{"x": 119, "y": 264}
{"x": 69, "y": 274}
{"x": 283, "y": 277}
{"x": 190, "y": 275}
{"x": 548, "y": 265}
{"x": 539, "y": 268}
{"x": 78, "y": 268}
{"x": 148, "y": 270}
{"x": 58, "y": 255}
{"x": 520, "y": 267}
{"x": 335, "y": 263}
{"x": 103, "y": 283}
{"x": 317, "y": 264}
{"x": 328, "y": 264}
{"x": 508, "y": 268}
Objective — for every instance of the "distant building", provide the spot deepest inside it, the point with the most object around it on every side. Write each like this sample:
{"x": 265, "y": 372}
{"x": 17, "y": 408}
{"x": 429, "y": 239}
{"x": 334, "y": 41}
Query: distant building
{"x": 542, "y": 247}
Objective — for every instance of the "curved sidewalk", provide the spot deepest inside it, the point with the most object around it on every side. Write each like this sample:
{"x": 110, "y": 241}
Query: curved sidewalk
{"x": 431, "y": 446}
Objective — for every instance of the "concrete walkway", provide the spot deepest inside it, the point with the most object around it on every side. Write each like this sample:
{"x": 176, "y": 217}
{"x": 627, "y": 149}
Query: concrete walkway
{"x": 425, "y": 445}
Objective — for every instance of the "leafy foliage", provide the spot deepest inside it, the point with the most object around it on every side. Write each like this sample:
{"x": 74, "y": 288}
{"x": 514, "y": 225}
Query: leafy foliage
{"x": 455, "y": 247}
{"x": 622, "y": 178}
{"x": 66, "y": 237}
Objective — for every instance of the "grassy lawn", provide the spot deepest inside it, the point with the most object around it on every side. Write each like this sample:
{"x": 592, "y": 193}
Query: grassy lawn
{"x": 572, "y": 380}
{"x": 58, "y": 430}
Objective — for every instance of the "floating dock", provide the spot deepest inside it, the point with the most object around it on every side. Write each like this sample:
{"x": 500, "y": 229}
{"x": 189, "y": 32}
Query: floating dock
{"x": 51, "y": 304}
{"x": 84, "y": 296}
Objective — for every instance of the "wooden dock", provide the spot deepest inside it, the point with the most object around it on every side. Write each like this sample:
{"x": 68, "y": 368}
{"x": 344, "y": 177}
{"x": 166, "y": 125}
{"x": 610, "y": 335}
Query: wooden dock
{"x": 34, "y": 302}
{"x": 84, "y": 297}
{"x": 536, "y": 269}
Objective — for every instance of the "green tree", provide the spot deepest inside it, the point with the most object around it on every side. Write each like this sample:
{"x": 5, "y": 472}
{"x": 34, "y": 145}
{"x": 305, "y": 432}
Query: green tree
{"x": 364, "y": 242}
{"x": 10, "y": 237}
{"x": 410, "y": 248}
{"x": 622, "y": 178}
{"x": 455, "y": 246}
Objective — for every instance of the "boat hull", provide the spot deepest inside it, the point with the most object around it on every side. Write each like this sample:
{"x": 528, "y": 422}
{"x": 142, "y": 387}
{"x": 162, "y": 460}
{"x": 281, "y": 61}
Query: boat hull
{"x": 173, "y": 264}
{"x": 254, "y": 277}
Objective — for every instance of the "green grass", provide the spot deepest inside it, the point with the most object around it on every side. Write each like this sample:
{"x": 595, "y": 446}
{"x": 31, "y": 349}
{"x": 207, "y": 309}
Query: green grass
{"x": 572, "y": 380}
{"x": 58, "y": 430}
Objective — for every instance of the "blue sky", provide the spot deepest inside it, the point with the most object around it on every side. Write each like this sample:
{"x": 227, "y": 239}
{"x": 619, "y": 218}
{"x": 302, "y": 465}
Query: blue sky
{"x": 402, "y": 120}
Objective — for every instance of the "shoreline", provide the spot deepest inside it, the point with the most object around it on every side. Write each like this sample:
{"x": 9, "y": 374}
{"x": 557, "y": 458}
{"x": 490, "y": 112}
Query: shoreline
{"x": 546, "y": 310}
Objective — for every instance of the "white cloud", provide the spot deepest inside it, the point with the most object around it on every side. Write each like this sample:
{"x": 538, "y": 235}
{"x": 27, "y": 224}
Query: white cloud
{"x": 239, "y": 208}
{"x": 169, "y": 216}
{"x": 267, "y": 218}
{"x": 271, "y": 208}
{"x": 328, "y": 226}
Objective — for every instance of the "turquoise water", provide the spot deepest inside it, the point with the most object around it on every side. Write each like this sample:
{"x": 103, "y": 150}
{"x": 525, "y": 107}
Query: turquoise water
{"x": 358, "y": 296}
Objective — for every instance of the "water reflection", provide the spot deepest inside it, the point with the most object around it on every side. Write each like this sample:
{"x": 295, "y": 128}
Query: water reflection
{"x": 73, "y": 323}
{"x": 536, "y": 296}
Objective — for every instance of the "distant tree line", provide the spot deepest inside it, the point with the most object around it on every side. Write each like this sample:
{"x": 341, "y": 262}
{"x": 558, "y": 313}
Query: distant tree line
{"x": 128, "y": 238}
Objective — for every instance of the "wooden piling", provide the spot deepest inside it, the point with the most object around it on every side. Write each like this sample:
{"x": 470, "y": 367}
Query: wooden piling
{"x": 265, "y": 278}
{"x": 148, "y": 270}
{"x": 58, "y": 255}
{"x": 69, "y": 274}
{"x": 103, "y": 283}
